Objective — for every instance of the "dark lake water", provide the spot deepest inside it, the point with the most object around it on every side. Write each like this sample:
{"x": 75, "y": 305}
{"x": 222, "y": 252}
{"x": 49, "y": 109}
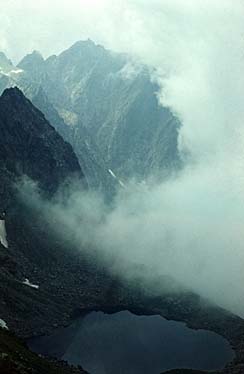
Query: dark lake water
{"x": 124, "y": 343}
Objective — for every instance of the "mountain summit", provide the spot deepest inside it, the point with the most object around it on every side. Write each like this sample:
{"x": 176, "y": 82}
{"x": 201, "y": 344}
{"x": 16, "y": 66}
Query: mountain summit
{"x": 107, "y": 100}
{"x": 5, "y": 63}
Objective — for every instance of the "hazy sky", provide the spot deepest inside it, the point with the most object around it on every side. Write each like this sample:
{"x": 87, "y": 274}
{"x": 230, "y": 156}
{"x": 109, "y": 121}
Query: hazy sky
{"x": 51, "y": 26}
{"x": 191, "y": 227}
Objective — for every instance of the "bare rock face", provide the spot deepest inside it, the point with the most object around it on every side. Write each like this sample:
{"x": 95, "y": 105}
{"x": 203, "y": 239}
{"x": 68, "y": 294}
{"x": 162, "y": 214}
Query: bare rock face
{"x": 105, "y": 105}
{"x": 34, "y": 63}
{"x": 31, "y": 146}
{"x": 115, "y": 101}
{"x": 89, "y": 155}
{"x": 5, "y": 63}
{"x": 108, "y": 111}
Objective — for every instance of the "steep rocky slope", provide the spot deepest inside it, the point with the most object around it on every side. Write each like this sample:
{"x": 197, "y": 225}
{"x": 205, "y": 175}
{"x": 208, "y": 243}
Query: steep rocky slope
{"x": 106, "y": 106}
{"x": 94, "y": 166}
{"x": 67, "y": 282}
{"x": 90, "y": 157}
{"x": 114, "y": 99}
{"x": 29, "y": 147}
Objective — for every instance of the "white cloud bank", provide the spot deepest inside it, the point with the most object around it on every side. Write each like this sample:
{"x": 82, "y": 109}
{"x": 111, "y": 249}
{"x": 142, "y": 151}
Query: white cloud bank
{"x": 190, "y": 227}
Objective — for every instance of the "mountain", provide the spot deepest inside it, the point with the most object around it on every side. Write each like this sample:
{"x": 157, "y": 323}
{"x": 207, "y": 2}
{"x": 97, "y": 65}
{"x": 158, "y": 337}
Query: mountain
{"x": 8, "y": 72}
{"x": 105, "y": 105}
{"x": 34, "y": 64}
{"x": 114, "y": 99}
{"x": 5, "y": 64}
{"x": 44, "y": 281}
{"x": 30, "y": 147}
{"x": 94, "y": 167}
{"x": 16, "y": 358}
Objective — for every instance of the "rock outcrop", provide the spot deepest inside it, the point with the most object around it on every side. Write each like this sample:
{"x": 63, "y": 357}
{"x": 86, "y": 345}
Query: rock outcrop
{"x": 105, "y": 104}
{"x": 31, "y": 148}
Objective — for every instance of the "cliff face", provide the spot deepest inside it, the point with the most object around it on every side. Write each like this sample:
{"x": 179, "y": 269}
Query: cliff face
{"x": 106, "y": 106}
{"x": 29, "y": 146}
{"x": 87, "y": 151}
{"x": 5, "y": 64}
{"x": 115, "y": 101}
{"x": 45, "y": 282}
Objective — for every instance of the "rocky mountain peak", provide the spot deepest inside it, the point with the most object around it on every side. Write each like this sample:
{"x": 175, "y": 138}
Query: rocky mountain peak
{"x": 33, "y": 64}
{"x": 82, "y": 50}
{"x": 5, "y": 63}
{"x": 107, "y": 96}
{"x": 83, "y": 43}
{"x": 85, "y": 46}
{"x": 13, "y": 93}
{"x": 33, "y": 57}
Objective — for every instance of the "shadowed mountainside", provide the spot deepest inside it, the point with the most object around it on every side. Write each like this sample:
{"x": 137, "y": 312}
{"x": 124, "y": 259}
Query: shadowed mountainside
{"x": 105, "y": 105}
{"x": 68, "y": 282}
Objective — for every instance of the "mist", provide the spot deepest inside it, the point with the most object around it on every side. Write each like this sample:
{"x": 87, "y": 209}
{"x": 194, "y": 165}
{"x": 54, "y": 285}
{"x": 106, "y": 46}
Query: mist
{"x": 191, "y": 226}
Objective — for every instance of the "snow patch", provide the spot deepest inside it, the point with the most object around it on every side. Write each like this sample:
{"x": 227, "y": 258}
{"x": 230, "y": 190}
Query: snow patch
{"x": 16, "y": 71}
{"x": 112, "y": 173}
{"x": 3, "y": 235}
{"x": 11, "y": 73}
{"x": 87, "y": 144}
{"x": 121, "y": 183}
{"x": 117, "y": 179}
{"x": 130, "y": 71}
{"x": 29, "y": 284}
{"x": 3, "y": 73}
{"x": 3, "y": 324}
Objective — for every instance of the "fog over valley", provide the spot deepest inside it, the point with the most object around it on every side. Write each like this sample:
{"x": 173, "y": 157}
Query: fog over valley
{"x": 122, "y": 134}
{"x": 190, "y": 226}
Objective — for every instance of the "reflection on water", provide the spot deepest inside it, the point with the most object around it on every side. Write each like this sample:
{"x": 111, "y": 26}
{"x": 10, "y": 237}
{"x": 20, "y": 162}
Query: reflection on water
{"x": 124, "y": 343}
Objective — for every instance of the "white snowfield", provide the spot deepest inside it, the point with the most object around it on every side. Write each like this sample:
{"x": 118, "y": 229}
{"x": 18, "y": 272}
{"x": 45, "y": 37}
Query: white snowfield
{"x": 3, "y": 236}
{"x": 29, "y": 284}
{"x": 3, "y": 324}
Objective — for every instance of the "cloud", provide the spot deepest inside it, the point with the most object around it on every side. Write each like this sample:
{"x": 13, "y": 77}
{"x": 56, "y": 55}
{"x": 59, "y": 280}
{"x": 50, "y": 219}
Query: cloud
{"x": 46, "y": 26}
{"x": 190, "y": 227}
{"x": 185, "y": 42}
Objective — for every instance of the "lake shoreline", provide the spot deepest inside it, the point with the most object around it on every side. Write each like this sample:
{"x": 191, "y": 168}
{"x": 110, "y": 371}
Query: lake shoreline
{"x": 169, "y": 344}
